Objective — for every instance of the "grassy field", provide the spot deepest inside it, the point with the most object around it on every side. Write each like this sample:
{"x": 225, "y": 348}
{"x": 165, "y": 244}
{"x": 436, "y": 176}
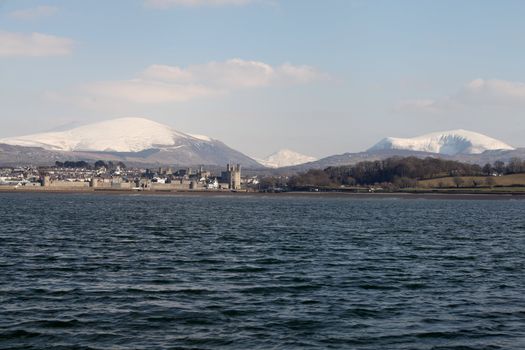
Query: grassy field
{"x": 468, "y": 190}
{"x": 508, "y": 181}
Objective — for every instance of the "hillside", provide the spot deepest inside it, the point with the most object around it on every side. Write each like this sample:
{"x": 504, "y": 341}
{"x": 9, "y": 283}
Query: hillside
{"x": 133, "y": 140}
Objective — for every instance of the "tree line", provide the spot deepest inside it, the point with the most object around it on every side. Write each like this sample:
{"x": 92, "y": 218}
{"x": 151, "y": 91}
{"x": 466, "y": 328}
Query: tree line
{"x": 99, "y": 164}
{"x": 398, "y": 172}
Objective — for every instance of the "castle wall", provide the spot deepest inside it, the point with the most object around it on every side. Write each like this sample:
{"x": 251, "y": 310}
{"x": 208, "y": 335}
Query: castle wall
{"x": 67, "y": 184}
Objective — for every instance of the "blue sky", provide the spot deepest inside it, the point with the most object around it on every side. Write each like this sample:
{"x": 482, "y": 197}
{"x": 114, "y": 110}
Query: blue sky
{"x": 317, "y": 76}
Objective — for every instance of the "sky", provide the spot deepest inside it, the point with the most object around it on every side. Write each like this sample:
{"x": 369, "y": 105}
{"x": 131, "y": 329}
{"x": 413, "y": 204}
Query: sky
{"x": 320, "y": 77}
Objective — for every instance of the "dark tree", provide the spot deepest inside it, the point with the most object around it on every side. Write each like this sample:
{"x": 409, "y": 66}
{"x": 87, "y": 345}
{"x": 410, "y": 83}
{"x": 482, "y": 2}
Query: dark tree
{"x": 76, "y": 165}
{"x": 515, "y": 166}
{"x": 499, "y": 166}
{"x": 99, "y": 164}
{"x": 487, "y": 169}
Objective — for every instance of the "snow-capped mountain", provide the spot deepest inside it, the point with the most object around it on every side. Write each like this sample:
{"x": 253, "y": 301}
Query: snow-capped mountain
{"x": 447, "y": 142}
{"x": 117, "y": 135}
{"x": 136, "y": 139}
{"x": 285, "y": 157}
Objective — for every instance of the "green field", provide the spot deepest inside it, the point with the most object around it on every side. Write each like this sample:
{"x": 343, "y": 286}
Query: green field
{"x": 508, "y": 182}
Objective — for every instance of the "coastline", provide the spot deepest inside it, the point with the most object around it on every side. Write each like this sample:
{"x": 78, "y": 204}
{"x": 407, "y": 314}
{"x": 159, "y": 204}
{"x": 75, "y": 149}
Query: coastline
{"x": 354, "y": 195}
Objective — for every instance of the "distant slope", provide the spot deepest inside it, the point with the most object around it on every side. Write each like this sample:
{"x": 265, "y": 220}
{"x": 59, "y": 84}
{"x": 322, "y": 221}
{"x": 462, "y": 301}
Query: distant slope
{"x": 17, "y": 155}
{"x": 136, "y": 140}
{"x": 354, "y": 158}
{"x": 285, "y": 157}
{"x": 492, "y": 156}
{"x": 213, "y": 156}
{"x": 447, "y": 142}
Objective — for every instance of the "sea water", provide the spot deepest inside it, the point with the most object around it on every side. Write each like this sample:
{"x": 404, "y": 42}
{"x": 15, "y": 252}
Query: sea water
{"x": 255, "y": 272}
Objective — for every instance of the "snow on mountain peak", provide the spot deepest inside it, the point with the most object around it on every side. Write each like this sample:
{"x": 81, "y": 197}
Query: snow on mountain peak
{"x": 201, "y": 137}
{"x": 285, "y": 157}
{"x": 117, "y": 135}
{"x": 446, "y": 142}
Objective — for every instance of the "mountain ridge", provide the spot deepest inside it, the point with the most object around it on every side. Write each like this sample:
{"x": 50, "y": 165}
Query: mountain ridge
{"x": 127, "y": 139}
{"x": 150, "y": 143}
{"x": 450, "y": 142}
{"x": 129, "y": 134}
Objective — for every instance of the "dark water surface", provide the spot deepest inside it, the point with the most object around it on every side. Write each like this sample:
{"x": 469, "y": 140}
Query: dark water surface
{"x": 155, "y": 272}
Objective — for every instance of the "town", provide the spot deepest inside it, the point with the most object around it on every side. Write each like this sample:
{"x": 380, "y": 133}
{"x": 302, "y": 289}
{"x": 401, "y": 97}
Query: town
{"x": 110, "y": 176}
{"x": 395, "y": 174}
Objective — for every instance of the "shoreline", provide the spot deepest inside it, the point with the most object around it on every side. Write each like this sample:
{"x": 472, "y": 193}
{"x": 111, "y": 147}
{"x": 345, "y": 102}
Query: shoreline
{"x": 383, "y": 195}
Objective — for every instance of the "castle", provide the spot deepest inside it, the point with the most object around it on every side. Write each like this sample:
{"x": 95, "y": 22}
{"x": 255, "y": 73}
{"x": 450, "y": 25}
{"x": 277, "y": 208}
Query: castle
{"x": 232, "y": 176}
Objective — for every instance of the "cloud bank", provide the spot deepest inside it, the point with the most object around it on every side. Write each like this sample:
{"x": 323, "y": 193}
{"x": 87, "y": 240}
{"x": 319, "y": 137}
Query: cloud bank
{"x": 163, "y": 83}
{"x": 492, "y": 92}
{"x": 33, "y": 45}
{"x": 478, "y": 92}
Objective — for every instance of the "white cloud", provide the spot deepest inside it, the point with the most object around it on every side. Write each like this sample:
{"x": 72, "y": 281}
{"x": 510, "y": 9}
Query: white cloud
{"x": 299, "y": 74}
{"x": 193, "y": 3}
{"x": 492, "y": 91}
{"x": 162, "y": 83}
{"x": 34, "y": 13}
{"x": 33, "y": 44}
{"x": 476, "y": 93}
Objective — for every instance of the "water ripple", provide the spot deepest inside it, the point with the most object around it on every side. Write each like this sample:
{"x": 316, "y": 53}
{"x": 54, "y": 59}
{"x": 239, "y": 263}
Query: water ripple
{"x": 161, "y": 272}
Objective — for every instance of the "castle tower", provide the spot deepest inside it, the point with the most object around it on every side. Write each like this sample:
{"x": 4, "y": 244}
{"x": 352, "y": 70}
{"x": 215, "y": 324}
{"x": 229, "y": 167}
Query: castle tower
{"x": 232, "y": 176}
{"x": 46, "y": 181}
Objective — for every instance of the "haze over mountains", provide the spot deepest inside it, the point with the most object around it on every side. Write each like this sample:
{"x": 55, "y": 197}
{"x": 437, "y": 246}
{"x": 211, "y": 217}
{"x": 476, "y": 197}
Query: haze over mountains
{"x": 143, "y": 141}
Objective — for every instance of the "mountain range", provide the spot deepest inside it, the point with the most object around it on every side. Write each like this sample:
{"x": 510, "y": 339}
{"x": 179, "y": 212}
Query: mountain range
{"x": 140, "y": 141}
{"x": 460, "y": 145}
